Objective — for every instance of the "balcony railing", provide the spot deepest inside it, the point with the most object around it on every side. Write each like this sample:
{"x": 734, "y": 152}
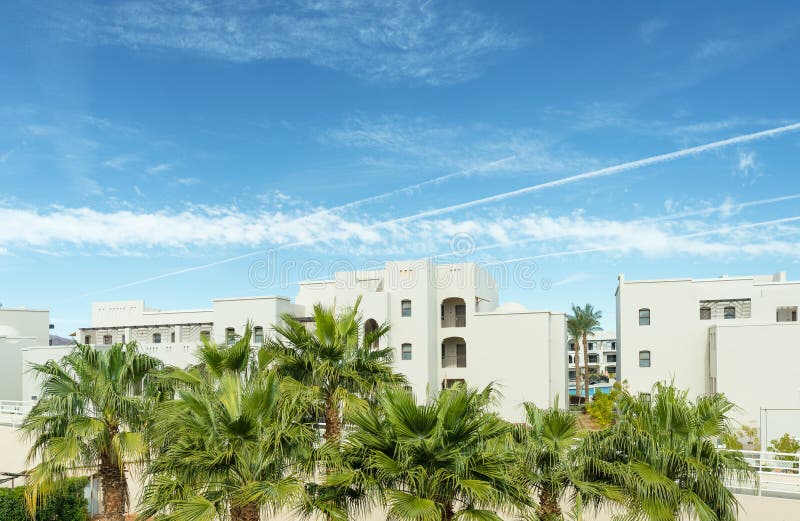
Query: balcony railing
{"x": 454, "y": 321}
{"x": 778, "y": 474}
{"x": 12, "y": 412}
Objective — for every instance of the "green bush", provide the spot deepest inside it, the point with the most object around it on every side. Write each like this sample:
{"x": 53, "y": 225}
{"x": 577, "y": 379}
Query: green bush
{"x": 65, "y": 504}
{"x": 601, "y": 408}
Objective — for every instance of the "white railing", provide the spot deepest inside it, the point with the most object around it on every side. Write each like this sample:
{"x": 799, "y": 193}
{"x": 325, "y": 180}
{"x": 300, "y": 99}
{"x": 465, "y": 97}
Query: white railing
{"x": 778, "y": 474}
{"x": 12, "y": 412}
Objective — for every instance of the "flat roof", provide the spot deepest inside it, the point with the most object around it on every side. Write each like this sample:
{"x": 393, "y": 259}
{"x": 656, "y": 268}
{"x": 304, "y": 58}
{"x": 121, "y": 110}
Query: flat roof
{"x": 268, "y": 297}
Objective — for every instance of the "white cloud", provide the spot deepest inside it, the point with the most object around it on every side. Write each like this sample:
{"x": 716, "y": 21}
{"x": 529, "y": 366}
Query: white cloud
{"x": 187, "y": 181}
{"x": 422, "y": 40}
{"x": 571, "y": 279}
{"x": 649, "y": 29}
{"x": 157, "y": 169}
{"x": 120, "y": 162}
{"x": 717, "y": 48}
{"x": 746, "y": 164}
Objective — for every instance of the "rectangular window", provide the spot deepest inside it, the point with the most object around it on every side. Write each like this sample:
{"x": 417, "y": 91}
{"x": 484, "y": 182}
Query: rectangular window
{"x": 644, "y": 358}
{"x": 451, "y": 382}
{"x": 405, "y": 352}
{"x": 572, "y": 346}
{"x": 172, "y": 337}
{"x": 644, "y": 317}
{"x": 611, "y": 358}
{"x": 230, "y": 336}
{"x": 591, "y": 346}
{"x": 87, "y": 339}
{"x": 156, "y": 338}
{"x": 107, "y": 339}
{"x": 593, "y": 359}
{"x": 730, "y": 312}
{"x": 705, "y": 313}
{"x": 787, "y": 314}
{"x": 405, "y": 308}
{"x": 572, "y": 374}
{"x": 258, "y": 335}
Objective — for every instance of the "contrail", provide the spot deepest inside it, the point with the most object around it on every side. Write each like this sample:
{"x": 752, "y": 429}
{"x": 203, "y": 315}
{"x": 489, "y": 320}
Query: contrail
{"x": 667, "y": 217}
{"x": 615, "y": 169}
{"x": 611, "y": 170}
{"x": 716, "y": 231}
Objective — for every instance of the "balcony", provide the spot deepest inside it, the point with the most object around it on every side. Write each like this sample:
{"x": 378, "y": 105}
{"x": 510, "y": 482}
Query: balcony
{"x": 454, "y": 312}
{"x": 454, "y": 353}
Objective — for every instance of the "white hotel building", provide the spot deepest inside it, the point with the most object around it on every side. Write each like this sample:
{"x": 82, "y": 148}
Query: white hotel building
{"x": 20, "y": 328}
{"x": 446, "y": 326}
{"x": 735, "y": 335}
{"x": 602, "y": 351}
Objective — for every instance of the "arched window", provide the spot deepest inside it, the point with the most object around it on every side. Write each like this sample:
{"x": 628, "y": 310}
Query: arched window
{"x": 258, "y": 335}
{"x": 371, "y": 326}
{"x": 405, "y": 308}
{"x": 156, "y": 338}
{"x": 107, "y": 339}
{"x": 644, "y": 317}
{"x": 405, "y": 352}
{"x": 644, "y": 358}
{"x": 230, "y": 336}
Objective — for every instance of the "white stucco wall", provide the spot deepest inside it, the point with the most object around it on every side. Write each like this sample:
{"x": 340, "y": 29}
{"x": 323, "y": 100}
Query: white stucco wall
{"x": 19, "y": 329}
{"x": 758, "y": 367}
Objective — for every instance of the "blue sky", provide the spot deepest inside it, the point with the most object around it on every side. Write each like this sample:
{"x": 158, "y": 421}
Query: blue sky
{"x": 160, "y": 150}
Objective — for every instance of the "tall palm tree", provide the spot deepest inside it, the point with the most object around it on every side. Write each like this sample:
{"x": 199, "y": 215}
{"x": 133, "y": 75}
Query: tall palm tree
{"x": 586, "y": 320}
{"x": 668, "y": 448}
{"x": 232, "y": 443}
{"x": 548, "y": 461}
{"x": 575, "y": 334}
{"x": 91, "y": 413}
{"x": 446, "y": 459}
{"x": 335, "y": 357}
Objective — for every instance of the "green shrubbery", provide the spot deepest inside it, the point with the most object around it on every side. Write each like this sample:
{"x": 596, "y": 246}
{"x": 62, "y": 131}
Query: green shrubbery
{"x": 65, "y": 504}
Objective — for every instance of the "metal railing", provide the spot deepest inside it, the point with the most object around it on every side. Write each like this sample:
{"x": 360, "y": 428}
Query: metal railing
{"x": 778, "y": 474}
{"x": 454, "y": 321}
{"x": 12, "y": 412}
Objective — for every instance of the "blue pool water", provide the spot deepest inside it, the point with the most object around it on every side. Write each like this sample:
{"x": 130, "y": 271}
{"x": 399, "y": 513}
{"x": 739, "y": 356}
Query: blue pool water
{"x": 592, "y": 390}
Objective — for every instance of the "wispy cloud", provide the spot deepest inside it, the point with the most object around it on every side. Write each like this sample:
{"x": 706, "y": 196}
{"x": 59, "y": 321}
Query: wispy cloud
{"x": 571, "y": 279}
{"x": 717, "y": 48}
{"x": 747, "y": 165}
{"x": 159, "y": 168}
{"x": 120, "y": 162}
{"x": 423, "y": 40}
{"x": 650, "y": 28}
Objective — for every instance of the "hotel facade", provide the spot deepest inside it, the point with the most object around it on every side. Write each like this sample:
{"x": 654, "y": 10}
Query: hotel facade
{"x": 447, "y": 326}
{"x": 735, "y": 335}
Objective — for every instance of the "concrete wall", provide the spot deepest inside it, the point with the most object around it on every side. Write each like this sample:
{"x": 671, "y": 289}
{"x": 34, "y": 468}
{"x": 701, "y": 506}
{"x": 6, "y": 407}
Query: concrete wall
{"x": 19, "y": 329}
{"x": 758, "y": 366}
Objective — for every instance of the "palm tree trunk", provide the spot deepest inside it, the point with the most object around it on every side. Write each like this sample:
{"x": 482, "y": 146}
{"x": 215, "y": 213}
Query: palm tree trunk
{"x": 333, "y": 423}
{"x": 586, "y": 367}
{"x": 549, "y": 508}
{"x": 115, "y": 490}
{"x": 448, "y": 512}
{"x": 249, "y": 512}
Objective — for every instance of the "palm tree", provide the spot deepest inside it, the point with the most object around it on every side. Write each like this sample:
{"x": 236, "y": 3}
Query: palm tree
{"x": 575, "y": 335}
{"x": 667, "y": 446}
{"x": 232, "y": 443}
{"x": 586, "y": 321}
{"x": 549, "y": 462}
{"x": 91, "y": 414}
{"x": 335, "y": 357}
{"x": 446, "y": 459}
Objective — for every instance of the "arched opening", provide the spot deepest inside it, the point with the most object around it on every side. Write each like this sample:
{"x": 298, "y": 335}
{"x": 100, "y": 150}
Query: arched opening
{"x": 370, "y": 326}
{"x": 454, "y": 312}
{"x": 454, "y": 352}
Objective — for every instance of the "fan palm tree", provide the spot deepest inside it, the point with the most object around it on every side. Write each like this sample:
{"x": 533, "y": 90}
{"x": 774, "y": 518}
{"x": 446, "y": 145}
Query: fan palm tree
{"x": 575, "y": 334}
{"x": 548, "y": 461}
{"x": 440, "y": 461}
{"x": 335, "y": 357}
{"x": 231, "y": 444}
{"x": 91, "y": 413}
{"x": 586, "y": 321}
{"x": 668, "y": 448}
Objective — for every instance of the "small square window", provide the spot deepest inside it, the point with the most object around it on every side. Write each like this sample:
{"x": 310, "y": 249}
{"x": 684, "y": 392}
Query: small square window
{"x": 156, "y": 338}
{"x": 730, "y": 312}
{"x": 705, "y": 313}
